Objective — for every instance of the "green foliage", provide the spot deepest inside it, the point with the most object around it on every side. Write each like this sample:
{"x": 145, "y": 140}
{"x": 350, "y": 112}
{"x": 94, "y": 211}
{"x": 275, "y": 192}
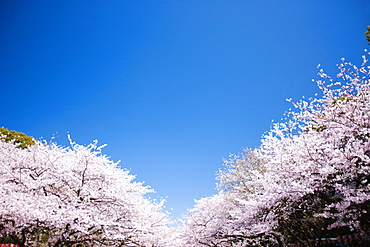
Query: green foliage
{"x": 342, "y": 99}
{"x": 367, "y": 34}
{"x": 321, "y": 128}
{"x": 20, "y": 139}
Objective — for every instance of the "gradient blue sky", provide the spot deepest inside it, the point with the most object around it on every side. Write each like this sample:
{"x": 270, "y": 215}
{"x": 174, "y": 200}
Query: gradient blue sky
{"x": 170, "y": 86}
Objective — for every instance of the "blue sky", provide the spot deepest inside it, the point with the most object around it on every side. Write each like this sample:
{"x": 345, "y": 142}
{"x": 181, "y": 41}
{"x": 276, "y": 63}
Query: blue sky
{"x": 171, "y": 86}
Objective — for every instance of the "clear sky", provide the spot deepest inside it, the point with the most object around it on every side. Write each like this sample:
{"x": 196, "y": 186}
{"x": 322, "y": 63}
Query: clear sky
{"x": 171, "y": 86}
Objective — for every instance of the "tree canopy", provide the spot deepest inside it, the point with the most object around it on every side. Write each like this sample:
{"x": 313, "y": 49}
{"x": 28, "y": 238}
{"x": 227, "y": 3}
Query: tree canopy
{"x": 69, "y": 196}
{"x": 367, "y": 34}
{"x": 20, "y": 139}
{"x": 308, "y": 180}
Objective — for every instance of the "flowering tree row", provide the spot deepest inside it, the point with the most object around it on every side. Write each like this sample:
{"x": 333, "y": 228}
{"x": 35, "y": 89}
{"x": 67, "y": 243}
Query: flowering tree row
{"x": 308, "y": 180}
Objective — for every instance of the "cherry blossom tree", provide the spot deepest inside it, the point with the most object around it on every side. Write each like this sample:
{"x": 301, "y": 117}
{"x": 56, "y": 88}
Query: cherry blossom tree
{"x": 75, "y": 196}
{"x": 309, "y": 179}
